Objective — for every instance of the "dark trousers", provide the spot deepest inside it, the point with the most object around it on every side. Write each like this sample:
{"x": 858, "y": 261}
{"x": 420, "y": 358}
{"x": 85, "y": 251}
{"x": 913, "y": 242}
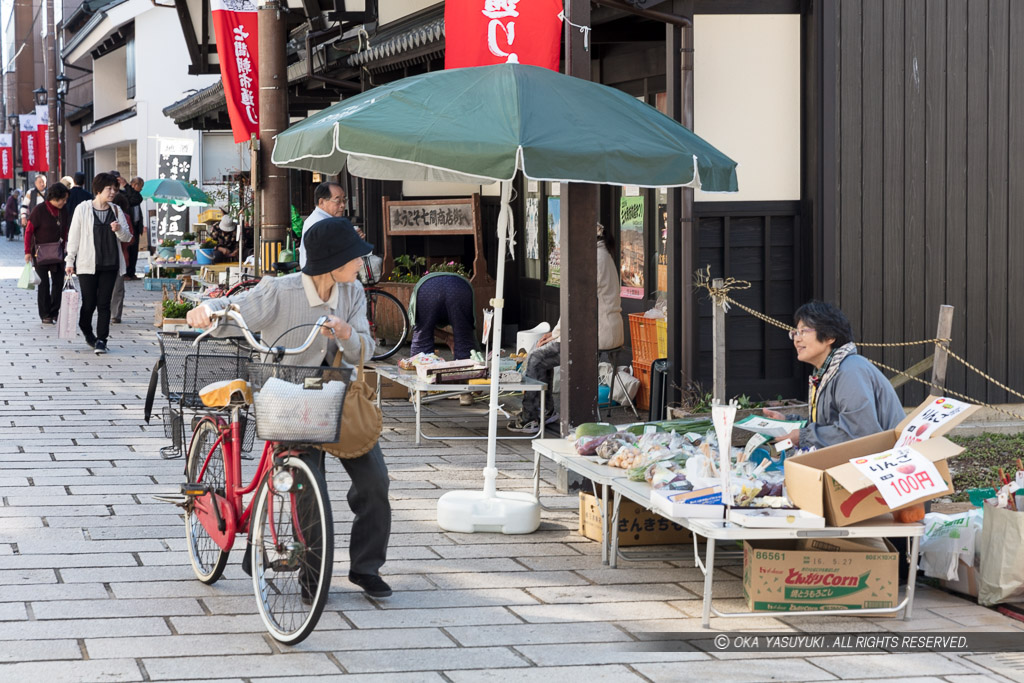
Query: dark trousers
{"x": 97, "y": 290}
{"x": 540, "y": 365}
{"x": 48, "y": 291}
{"x": 11, "y": 229}
{"x": 368, "y": 500}
{"x": 444, "y": 301}
{"x": 133, "y": 258}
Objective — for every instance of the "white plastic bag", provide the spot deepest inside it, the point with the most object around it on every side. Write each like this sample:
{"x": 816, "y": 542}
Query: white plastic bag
{"x": 28, "y": 277}
{"x": 70, "y": 303}
{"x": 947, "y": 540}
{"x": 625, "y": 384}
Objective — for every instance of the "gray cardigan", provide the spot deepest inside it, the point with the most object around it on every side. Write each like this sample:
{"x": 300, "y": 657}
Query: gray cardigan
{"x": 81, "y": 246}
{"x": 858, "y": 401}
{"x": 277, "y": 304}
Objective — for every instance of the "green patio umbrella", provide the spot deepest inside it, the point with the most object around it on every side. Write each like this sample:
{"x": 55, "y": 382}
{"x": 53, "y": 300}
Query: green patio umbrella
{"x": 484, "y": 124}
{"x": 178, "y": 192}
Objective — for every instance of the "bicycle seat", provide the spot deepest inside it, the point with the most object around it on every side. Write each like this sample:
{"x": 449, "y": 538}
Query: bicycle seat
{"x": 226, "y": 393}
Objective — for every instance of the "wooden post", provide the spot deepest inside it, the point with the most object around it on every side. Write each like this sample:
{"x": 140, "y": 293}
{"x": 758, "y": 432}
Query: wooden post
{"x": 718, "y": 344}
{"x": 944, "y": 331}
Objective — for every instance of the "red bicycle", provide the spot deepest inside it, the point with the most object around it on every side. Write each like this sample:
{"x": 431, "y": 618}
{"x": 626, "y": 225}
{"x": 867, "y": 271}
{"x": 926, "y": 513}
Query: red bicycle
{"x": 290, "y": 551}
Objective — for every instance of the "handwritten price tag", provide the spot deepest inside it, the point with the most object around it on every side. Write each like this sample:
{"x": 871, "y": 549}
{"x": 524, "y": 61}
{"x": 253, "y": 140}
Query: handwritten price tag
{"x": 902, "y": 475}
{"x": 941, "y": 411}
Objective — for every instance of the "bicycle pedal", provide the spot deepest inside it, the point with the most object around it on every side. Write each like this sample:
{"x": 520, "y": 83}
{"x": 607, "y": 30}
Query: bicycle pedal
{"x": 194, "y": 489}
{"x": 172, "y": 498}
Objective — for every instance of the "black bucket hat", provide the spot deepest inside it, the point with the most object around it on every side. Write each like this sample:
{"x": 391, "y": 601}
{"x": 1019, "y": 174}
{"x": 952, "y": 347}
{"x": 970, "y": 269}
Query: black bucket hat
{"x": 330, "y": 244}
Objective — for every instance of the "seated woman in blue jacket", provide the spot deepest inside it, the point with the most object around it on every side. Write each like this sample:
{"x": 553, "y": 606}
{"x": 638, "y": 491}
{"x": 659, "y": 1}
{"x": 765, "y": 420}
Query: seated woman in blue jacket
{"x": 848, "y": 397}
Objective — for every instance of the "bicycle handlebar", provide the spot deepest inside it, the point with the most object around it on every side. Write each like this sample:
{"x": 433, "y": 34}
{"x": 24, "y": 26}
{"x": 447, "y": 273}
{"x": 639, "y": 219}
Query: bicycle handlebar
{"x": 233, "y": 312}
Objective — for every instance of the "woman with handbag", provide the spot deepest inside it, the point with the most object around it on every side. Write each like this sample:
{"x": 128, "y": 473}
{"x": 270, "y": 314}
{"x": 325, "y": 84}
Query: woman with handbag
{"x": 46, "y": 234}
{"x": 281, "y": 309}
{"x": 94, "y": 254}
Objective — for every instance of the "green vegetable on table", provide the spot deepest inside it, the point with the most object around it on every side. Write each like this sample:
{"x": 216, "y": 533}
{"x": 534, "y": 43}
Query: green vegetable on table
{"x": 176, "y": 309}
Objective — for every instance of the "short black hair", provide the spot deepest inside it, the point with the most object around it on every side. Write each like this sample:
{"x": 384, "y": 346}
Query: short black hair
{"x": 827, "y": 321}
{"x": 79, "y": 178}
{"x": 57, "y": 191}
{"x": 323, "y": 191}
{"x": 103, "y": 181}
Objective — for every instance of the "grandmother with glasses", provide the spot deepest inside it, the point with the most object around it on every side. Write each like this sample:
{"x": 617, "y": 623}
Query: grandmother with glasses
{"x": 848, "y": 397}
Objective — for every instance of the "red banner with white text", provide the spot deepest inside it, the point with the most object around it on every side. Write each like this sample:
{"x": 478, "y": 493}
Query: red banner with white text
{"x": 234, "y": 23}
{"x": 29, "y": 153}
{"x": 6, "y": 155}
{"x": 43, "y": 138}
{"x": 482, "y": 32}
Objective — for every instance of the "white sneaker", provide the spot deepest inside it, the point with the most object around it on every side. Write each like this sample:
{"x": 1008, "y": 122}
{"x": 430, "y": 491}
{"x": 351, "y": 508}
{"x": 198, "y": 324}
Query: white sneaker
{"x": 531, "y": 427}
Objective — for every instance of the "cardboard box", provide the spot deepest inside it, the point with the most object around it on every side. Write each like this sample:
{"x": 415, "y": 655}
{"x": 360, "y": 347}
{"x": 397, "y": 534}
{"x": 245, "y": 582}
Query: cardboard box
{"x": 824, "y": 482}
{"x": 703, "y": 503}
{"x": 966, "y": 582}
{"x": 819, "y": 574}
{"x": 636, "y": 525}
{"x": 388, "y": 389}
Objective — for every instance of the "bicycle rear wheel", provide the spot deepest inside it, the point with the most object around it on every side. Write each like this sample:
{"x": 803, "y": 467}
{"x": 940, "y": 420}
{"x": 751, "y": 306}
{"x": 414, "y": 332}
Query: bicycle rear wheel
{"x": 292, "y": 547}
{"x": 208, "y": 560}
{"x": 389, "y": 323}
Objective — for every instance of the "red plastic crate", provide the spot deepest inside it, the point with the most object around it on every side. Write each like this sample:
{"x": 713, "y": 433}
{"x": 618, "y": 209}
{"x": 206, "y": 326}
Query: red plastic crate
{"x": 642, "y": 371}
{"x": 643, "y": 335}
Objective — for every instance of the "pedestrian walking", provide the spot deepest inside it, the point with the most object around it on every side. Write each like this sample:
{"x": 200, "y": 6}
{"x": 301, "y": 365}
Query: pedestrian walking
{"x": 11, "y": 215}
{"x": 46, "y": 233}
{"x": 78, "y": 193}
{"x": 138, "y": 227}
{"x": 35, "y": 197}
{"x": 117, "y": 298}
{"x": 94, "y": 254}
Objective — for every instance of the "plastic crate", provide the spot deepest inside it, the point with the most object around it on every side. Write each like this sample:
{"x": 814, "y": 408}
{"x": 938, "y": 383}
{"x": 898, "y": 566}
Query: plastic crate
{"x": 662, "y": 338}
{"x": 155, "y": 284}
{"x": 642, "y": 371}
{"x": 643, "y": 335}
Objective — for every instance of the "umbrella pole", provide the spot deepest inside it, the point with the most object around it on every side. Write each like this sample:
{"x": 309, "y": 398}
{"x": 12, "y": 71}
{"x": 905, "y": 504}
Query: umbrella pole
{"x": 508, "y": 512}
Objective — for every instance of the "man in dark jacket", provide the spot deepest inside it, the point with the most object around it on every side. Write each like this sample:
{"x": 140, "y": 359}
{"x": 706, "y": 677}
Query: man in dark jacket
{"x": 134, "y": 201}
{"x": 11, "y": 214}
{"x": 78, "y": 193}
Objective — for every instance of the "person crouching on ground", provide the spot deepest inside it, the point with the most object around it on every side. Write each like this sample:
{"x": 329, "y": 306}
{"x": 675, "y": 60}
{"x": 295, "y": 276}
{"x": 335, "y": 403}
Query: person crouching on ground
{"x": 94, "y": 254}
{"x": 327, "y": 285}
{"x": 48, "y": 224}
{"x": 848, "y": 397}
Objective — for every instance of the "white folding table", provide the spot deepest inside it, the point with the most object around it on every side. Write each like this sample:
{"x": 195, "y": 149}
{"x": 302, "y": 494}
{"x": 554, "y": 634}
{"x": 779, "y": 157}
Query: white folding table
{"x": 418, "y": 387}
{"x": 719, "y": 529}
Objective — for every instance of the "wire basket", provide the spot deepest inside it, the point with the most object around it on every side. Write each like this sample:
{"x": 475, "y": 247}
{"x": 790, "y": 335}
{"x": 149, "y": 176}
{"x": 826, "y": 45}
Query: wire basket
{"x": 298, "y": 403}
{"x": 189, "y": 368}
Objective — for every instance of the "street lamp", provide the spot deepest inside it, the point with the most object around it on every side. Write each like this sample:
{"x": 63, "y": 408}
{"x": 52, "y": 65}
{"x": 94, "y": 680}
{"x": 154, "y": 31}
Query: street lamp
{"x": 12, "y": 121}
{"x": 63, "y": 82}
{"x": 40, "y": 94}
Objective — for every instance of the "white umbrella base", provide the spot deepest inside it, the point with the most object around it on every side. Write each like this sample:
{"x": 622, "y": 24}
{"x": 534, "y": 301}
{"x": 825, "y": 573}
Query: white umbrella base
{"x": 471, "y": 512}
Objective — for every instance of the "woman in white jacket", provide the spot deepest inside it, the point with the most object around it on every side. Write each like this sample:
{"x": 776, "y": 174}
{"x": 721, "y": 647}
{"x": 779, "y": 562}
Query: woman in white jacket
{"x": 95, "y": 255}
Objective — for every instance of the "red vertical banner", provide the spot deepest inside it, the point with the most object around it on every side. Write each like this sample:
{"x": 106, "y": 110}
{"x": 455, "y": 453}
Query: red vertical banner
{"x": 482, "y": 32}
{"x": 234, "y": 23}
{"x": 6, "y": 156}
{"x": 29, "y": 154}
{"x": 42, "y": 138}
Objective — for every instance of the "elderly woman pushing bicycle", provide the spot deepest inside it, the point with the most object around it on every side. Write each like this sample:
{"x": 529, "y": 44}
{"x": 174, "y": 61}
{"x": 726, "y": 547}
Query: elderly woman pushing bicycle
{"x": 279, "y": 308}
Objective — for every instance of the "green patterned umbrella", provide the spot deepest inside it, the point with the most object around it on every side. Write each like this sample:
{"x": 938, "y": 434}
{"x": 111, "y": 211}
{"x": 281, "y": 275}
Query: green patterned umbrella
{"x": 170, "y": 191}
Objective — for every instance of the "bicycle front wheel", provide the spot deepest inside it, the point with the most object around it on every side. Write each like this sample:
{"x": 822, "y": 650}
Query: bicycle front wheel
{"x": 292, "y": 547}
{"x": 208, "y": 560}
{"x": 389, "y": 323}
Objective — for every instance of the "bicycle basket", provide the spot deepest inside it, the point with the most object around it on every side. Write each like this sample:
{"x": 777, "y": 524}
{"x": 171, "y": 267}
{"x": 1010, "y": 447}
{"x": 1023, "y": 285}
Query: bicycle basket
{"x": 298, "y": 403}
{"x": 189, "y": 368}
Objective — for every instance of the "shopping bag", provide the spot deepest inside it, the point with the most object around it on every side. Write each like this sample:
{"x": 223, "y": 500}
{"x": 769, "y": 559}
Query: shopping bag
{"x": 1001, "y": 570}
{"x": 70, "y": 301}
{"x": 625, "y": 387}
{"x": 25, "y": 281}
{"x": 949, "y": 540}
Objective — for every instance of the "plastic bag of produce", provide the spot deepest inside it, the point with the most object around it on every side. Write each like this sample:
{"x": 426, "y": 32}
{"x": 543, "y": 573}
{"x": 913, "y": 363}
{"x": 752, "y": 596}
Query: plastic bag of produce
{"x": 588, "y": 445}
{"x": 947, "y": 539}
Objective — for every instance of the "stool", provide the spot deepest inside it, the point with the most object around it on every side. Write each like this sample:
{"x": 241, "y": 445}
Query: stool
{"x": 612, "y": 356}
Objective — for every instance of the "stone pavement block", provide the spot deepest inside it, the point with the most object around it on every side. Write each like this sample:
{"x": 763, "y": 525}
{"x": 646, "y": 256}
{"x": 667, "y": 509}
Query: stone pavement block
{"x": 502, "y": 564}
{"x": 896, "y": 665}
{"x": 627, "y": 573}
{"x": 922, "y": 621}
{"x": 429, "y": 660}
{"x": 9, "y": 577}
{"x": 12, "y": 611}
{"x": 1006, "y": 666}
{"x": 72, "y": 671}
{"x": 39, "y": 650}
{"x": 518, "y": 579}
{"x": 582, "y": 562}
{"x": 616, "y": 611}
{"x": 538, "y": 634}
{"x": 72, "y": 609}
{"x": 45, "y": 546}
{"x": 370, "y": 640}
{"x": 246, "y": 666}
{"x": 246, "y": 623}
{"x": 597, "y": 593}
{"x": 181, "y": 572}
{"x": 591, "y": 674}
{"x": 24, "y": 500}
{"x": 38, "y": 592}
{"x": 177, "y": 646}
{"x": 442, "y": 617}
{"x": 168, "y": 531}
{"x": 736, "y": 672}
{"x": 400, "y": 583}
{"x": 69, "y": 510}
{"x": 418, "y": 677}
{"x": 246, "y": 604}
{"x": 182, "y": 589}
{"x": 82, "y": 628}
{"x": 60, "y": 561}
{"x": 510, "y": 549}
{"x": 483, "y": 597}
{"x": 602, "y": 653}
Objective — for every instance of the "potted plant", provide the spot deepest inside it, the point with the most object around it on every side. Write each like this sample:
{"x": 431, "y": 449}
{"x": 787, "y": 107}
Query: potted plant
{"x": 206, "y": 253}
{"x": 167, "y": 250}
{"x": 174, "y": 313}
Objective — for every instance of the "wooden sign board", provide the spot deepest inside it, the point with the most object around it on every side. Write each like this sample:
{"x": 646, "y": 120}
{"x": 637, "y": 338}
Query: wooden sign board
{"x": 456, "y": 216}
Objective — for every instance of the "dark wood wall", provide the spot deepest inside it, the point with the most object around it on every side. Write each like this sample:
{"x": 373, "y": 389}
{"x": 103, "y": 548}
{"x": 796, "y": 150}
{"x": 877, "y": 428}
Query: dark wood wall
{"x": 929, "y": 209}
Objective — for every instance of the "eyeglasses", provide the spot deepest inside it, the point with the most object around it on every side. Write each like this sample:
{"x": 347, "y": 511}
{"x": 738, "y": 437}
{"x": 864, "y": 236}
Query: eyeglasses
{"x": 337, "y": 200}
{"x": 796, "y": 334}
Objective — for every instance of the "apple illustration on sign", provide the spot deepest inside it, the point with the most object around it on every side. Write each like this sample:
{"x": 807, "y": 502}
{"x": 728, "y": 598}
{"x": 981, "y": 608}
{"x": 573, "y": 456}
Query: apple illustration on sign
{"x": 922, "y": 429}
{"x": 906, "y": 469}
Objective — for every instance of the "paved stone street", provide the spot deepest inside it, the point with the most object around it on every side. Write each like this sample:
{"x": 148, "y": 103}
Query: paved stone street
{"x": 95, "y": 582}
